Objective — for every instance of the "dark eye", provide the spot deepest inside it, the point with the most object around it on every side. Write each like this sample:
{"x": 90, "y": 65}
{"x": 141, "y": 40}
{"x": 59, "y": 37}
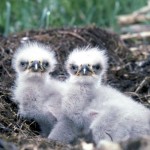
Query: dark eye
{"x": 23, "y": 64}
{"x": 74, "y": 67}
{"x": 97, "y": 67}
{"x": 45, "y": 64}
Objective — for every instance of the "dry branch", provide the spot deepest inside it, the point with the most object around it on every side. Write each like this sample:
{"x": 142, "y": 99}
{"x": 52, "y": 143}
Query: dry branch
{"x": 142, "y": 84}
{"x": 132, "y": 18}
{"x": 135, "y": 28}
{"x": 140, "y": 15}
{"x": 140, "y": 35}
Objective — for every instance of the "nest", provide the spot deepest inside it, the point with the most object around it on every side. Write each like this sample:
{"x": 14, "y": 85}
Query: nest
{"x": 125, "y": 73}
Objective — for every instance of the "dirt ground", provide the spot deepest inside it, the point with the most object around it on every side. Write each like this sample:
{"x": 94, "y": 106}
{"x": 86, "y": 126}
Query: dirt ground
{"x": 128, "y": 71}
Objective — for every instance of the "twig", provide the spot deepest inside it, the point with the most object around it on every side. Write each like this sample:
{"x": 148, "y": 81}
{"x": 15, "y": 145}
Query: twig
{"x": 131, "y": 93}
{"x": 135, "y": 28}
{"x": 135, "y": 35}
{"x": 73, "y": 34}
{"x": 2, "y": 49}
{"x": 139, "y": 15}
{"x": 142, "y": 84}
{"x": 146, "y": 97}
{"x": 6, "y": 71}
{"x": 134, "y": 94}
{"x": 132, "y": 18}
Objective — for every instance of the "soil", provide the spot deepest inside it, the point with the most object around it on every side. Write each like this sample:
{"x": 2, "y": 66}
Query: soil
{"x": 128, "y": 71}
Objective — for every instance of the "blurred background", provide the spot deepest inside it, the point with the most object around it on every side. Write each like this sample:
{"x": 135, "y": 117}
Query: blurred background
{"x": 21, "y": 15}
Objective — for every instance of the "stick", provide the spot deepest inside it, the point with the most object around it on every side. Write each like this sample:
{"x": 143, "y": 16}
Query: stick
{"x": 135, "y": 35}
{"x": 142, "y": 84}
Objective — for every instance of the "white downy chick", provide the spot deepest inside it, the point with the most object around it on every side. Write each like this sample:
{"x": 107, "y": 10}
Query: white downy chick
{"x": 38, "y": 95}
{"x": 86, "y": 67}
{"x": 119, "y": 117}
{"x": 105, "y": 111}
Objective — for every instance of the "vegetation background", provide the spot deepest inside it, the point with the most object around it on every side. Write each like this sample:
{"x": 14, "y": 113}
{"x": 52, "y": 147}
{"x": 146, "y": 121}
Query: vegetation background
{"x": 20, "y": 15}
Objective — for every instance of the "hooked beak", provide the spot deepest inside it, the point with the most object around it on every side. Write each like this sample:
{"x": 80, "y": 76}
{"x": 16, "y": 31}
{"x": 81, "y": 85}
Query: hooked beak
{"x": 85, "y": 71}
{"x": 35, "y": 66}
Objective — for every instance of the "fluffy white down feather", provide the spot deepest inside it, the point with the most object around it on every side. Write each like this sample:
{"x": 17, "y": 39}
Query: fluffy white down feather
{"x": 98, "y": 109}
{"x": 38, "y": 95}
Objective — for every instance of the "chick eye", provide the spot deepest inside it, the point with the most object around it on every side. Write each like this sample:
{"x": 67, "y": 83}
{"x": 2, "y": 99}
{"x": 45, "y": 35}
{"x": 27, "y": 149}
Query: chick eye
{"x": 45, "y": 64}
{"x": 97, "y": 67}
{"x": 74, "y": 67}
{"x": 23, "y": 64}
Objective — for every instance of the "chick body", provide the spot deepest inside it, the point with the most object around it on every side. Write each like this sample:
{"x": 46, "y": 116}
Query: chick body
{"x": 38, "y": 95}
